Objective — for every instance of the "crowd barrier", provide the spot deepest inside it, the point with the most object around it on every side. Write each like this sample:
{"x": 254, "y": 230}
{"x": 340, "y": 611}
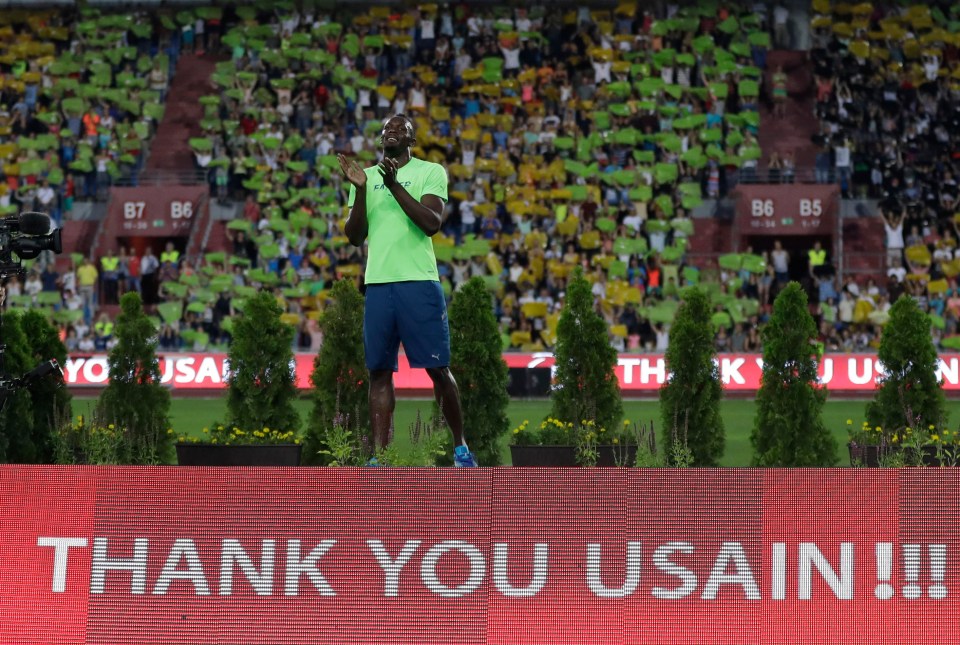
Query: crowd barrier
{"x": 511, "y": 556}
{"x": 637, "y": 373}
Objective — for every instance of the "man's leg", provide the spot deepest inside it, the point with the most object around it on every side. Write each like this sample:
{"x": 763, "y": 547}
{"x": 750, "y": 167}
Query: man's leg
{"x": 382, "y": 403}
{"x": 448, "y": 397}
{"x": 422, "y": 322}
{"x": 381, "y": 344}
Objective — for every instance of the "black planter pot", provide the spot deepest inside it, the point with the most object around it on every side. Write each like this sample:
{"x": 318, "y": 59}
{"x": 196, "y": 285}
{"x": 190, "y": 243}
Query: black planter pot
{"x": 205, "y": 454}
{"x": 543, "y": 456}
{"x": 868, "y": 456}
{"x": 566, "y": 456}
{"x": 943, "y": 456}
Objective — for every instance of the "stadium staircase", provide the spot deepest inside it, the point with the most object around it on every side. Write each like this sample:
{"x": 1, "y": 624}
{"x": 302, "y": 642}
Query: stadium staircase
{"x": 215, "y": 234}
{"x": 864, "y": 241}
{"x": 78, "y": 237}
{"x": 218, "y": 240}
{"x": 79, "y": 232}
{"x": 200, "y": 233}
{"x": 712, "y": 237}
{"x": 172, "y": 151}
{"x": 181, "y": 120}
{"x": 796, "y": 130}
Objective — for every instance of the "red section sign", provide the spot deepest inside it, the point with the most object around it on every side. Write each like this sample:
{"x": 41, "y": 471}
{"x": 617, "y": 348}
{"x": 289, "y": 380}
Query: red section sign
{"x": 636, "y": 372}
{"x": 156, "y": 211}
{"x": 494, "y": 556}
{"x": 787, "y": 209}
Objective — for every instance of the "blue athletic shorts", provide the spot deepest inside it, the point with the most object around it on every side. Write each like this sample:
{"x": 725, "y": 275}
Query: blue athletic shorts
{"x": 412, "y": 313}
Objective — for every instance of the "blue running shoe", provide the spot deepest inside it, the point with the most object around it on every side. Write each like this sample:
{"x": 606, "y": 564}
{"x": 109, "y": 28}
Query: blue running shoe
{"x": 463, "y": 458}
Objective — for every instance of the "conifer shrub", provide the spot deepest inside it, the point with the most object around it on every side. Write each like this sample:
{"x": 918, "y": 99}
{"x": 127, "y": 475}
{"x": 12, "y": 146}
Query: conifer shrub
{"x": 586, "y": 387}
{"x": 476, "y": 360}
{"x": 908, "y": 395}
{"x": 261, "y": 385}
{"x": 690, "y": 400}
{"x": 788, "y": 428}
{"x": 340, "y": 379}
{"x": 135, "y": 401}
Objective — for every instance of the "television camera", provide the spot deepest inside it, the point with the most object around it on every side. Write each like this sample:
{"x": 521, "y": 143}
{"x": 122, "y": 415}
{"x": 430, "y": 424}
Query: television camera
{"x": 25, "y": 237}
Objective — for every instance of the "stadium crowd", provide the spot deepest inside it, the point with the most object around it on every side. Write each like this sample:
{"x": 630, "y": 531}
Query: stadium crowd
{"x": 571, "y": 138}
{"x": 81, "y": 97}
{"x": 577, "y": 138}
{"x": 888, "y": 100}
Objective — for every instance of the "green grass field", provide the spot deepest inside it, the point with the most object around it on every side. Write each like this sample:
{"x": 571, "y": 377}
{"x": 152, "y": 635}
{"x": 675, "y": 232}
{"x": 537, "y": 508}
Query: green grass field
{"x": 189, "y": 415}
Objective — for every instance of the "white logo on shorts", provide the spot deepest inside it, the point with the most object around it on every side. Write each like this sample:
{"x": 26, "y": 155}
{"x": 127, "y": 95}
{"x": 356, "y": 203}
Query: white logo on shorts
{"x": 436, "y": 357}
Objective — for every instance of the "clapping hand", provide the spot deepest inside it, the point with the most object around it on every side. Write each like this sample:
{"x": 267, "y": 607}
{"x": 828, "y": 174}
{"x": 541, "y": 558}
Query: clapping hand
{"x": 388, "y": 170}
{"x": 352, "y": 171}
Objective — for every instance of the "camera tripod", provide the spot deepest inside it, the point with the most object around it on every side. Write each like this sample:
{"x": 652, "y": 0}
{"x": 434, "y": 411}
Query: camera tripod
{"x": 24, "y": 237}
{"x": 9, "y": 385}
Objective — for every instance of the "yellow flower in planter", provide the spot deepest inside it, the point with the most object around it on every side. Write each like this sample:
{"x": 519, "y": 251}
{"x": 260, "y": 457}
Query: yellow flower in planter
{"x": 232, "y": 435}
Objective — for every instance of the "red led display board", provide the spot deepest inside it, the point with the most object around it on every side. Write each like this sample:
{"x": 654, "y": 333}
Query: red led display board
{"x": 510, "y": 556}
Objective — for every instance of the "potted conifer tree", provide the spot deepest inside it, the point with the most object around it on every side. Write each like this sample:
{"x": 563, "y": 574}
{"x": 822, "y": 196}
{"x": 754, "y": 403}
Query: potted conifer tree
{"x": 788, "y": 427}
{"x": 690, "y": 399}
{"x": 262, "y": 424}
{"x": 340, "y": 382}
{"x": 135, "y": 403}
{"x": 477, "y": 363}
{"x": 584, "y": 427}
{"x": 907, "y": 418}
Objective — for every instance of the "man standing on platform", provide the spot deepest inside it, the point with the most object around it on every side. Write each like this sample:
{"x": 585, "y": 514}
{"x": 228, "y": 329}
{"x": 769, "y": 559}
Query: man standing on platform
{"x": 397, "y": 206}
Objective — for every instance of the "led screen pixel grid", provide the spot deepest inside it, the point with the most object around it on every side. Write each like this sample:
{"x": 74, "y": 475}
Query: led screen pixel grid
{"x": 500, "y": 556}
